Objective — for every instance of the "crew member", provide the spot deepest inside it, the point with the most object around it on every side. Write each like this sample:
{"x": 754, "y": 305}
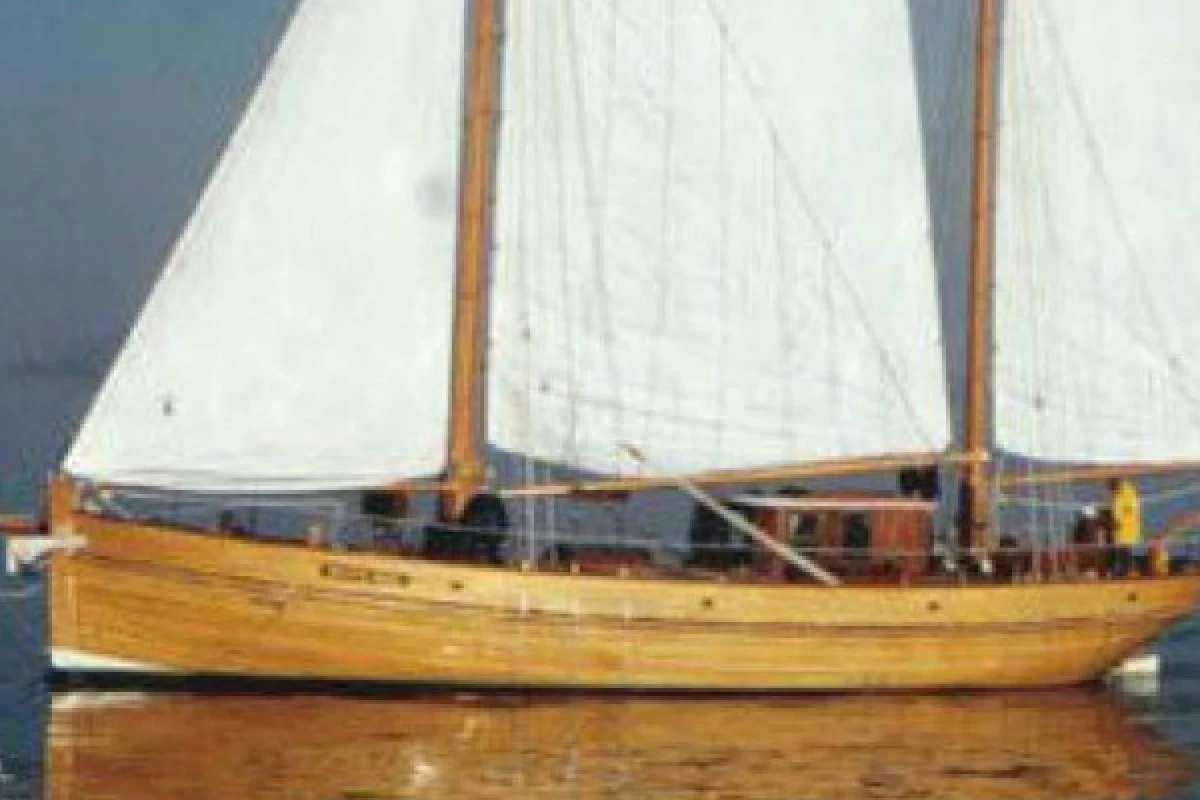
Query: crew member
{"x": 1127, "y": 524}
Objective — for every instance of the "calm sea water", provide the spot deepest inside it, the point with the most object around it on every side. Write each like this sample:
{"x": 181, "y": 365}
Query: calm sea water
{"x": 101, "y": 745}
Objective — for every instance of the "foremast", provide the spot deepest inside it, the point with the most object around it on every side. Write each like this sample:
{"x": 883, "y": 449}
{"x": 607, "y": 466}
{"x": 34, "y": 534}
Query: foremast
{"x": 465, "y": 470}
{"x": 977, "y": 498}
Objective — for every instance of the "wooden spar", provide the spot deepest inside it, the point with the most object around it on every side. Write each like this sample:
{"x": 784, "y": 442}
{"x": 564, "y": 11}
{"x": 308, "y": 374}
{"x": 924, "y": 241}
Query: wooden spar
{"x": 708, "y": 501}
{"x": 465, "y": 468}
{"x": 1089, "y": 474}
{"x": 979, "y": 301}
{"x": 819, "y": 469}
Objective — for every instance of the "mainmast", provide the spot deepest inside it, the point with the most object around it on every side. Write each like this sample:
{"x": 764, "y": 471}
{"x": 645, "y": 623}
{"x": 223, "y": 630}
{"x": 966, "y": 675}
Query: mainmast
{"x": 465, "y": 467}
{"x": 977, "y": 510}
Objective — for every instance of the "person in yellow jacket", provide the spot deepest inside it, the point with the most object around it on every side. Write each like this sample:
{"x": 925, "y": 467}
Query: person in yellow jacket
{"x": 1127, "y": 524}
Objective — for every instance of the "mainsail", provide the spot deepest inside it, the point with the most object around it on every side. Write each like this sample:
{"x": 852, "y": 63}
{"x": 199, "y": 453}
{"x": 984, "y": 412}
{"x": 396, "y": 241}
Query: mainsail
{"x": 712, "y": 240}
{"x": 713, "y": 236}
{"x": 299, "y": 335}
{"x": 1097, "y": 333}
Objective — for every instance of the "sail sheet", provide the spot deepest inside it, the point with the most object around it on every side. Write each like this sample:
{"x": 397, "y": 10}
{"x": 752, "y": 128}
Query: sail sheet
{"x": 1098, "y": 233}
{"x": 713, "y": 236}
{"x": 299, "y": 334}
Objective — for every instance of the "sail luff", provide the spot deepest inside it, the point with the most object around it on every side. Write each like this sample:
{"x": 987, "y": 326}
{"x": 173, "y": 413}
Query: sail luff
{"x": 467, "y": 414}
{"x": 979, "y": 307}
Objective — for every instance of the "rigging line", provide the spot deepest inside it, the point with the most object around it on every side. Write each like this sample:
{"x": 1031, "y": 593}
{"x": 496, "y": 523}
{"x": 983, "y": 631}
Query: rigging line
{"x": 659, "y": 325}
{"x": 787, "y": 263}
{"x": 1026, "y": 373}
{"x": 1095, "y": 155}
{"x": 824, "y": 238}
{"x": 564, "y": 253}
{"x": 1049, "y": 343}
{"x": 1030, "y": 501}
{"x": 596, "y": 207}
{"x": 723, "y": 332}
{"x": 609, "y": 130}
{"x": 1148, "y": 498}
{"x": 1035, "y": 296}
{"x": 789, "y": 342}
{"x": 521, "y": 70}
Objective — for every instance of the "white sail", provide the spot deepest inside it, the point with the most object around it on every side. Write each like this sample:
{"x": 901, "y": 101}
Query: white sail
{"x": 713, "y": 236}
{"x": 1097, "y": 330}
{"x": 299, "y": 335}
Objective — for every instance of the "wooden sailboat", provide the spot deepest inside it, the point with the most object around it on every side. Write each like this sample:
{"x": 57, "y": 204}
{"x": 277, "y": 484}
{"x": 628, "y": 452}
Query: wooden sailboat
{"x": 676, "y": 236}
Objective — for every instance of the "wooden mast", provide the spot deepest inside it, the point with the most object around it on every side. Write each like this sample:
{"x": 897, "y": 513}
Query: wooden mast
{"x": 979, "y": 301}
{"x": 465, "y": 467}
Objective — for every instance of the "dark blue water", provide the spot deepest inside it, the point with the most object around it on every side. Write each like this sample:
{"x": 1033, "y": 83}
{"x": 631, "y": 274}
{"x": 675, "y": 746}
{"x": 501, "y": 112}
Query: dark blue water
{"x": 23, "y": 694}
{"x": 1097, "y": 742}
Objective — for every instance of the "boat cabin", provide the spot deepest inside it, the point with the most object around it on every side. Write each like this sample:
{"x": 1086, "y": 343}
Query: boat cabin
{"x": 859, "y": 535}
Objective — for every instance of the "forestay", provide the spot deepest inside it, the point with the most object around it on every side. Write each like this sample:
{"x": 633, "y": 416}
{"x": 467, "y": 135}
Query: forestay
{"x": 713, "y": 236}
{"x": 1097, "y": 330}
{"x": 298, "y": 337}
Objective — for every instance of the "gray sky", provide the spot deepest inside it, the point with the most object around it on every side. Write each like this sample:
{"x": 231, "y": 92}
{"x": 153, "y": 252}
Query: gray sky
{"x": 111, "y": 112}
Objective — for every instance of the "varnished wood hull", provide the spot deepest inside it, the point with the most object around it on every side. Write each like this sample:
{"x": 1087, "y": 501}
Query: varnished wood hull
{"x": 151, "y": 598}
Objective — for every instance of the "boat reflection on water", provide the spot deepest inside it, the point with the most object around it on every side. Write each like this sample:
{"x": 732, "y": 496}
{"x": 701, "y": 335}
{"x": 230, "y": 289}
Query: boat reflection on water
{"x": 1073, "y": 744}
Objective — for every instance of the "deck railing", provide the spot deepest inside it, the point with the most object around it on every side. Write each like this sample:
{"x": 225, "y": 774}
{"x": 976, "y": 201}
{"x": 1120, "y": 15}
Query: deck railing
{"x": 334, "y": 522}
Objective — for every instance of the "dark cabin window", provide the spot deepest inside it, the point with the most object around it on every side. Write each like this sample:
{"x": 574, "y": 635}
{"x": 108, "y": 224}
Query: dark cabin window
{"x": 856, "y": 536}
{"x": 804, "y": 532}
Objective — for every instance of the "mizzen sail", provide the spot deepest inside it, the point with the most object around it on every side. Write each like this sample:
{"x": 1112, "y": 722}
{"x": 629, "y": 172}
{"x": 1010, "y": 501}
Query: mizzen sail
{"x": 299, "y": 335}
{"x": 1097, "y": 332}
{"x": 713, "y": 236}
